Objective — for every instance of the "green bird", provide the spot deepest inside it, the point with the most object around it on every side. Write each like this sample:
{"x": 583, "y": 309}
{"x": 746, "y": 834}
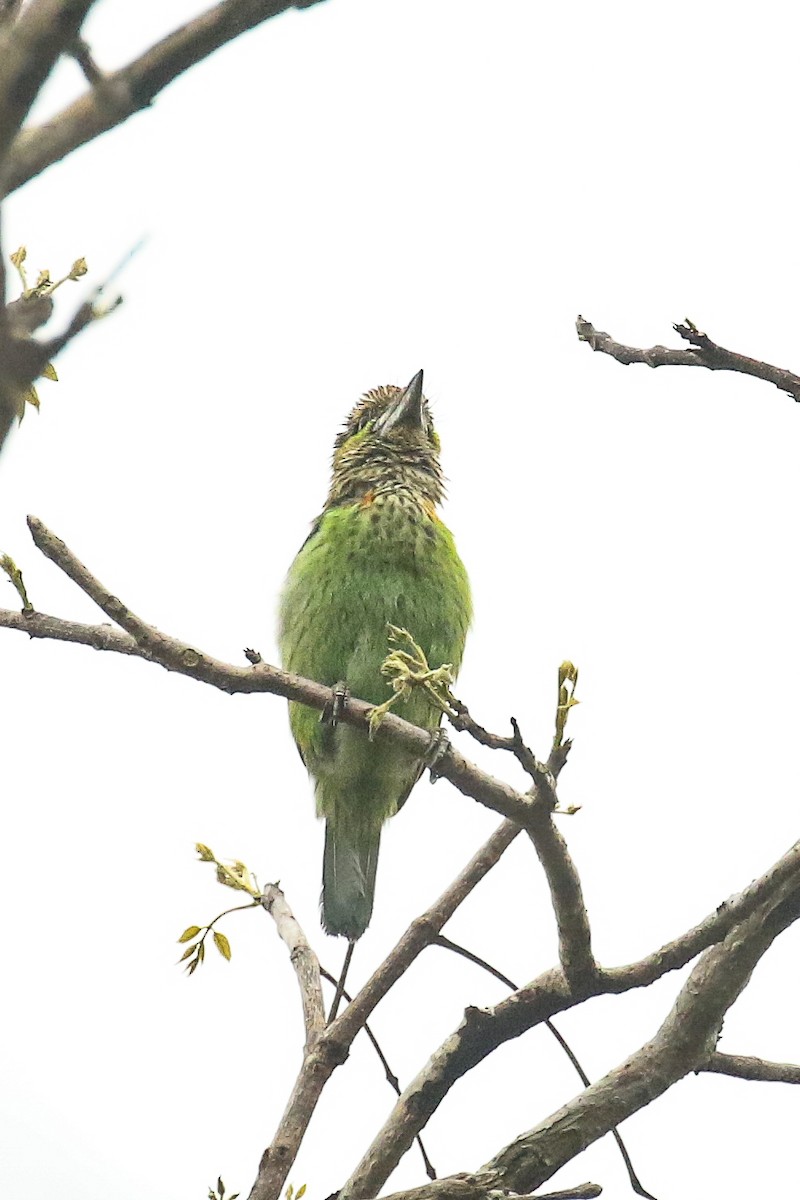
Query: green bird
{"x": 377, "y": 554}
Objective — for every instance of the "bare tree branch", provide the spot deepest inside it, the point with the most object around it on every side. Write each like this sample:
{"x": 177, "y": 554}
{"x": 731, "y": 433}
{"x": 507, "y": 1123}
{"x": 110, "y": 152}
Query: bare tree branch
{"x": 175, "y": 655}
{"x": 682, "y": 1043}
{"x": 303, "y": 959}
{"x": 447, "y": 944}
{"x": 332, "y": 1047}
{"x": 704, "y": 353}
{"x": 566, "y": 894}
{"x": 679, "y": 1047}
{"x": 391, "y": 1078}
{"x": 584, "y": 1191}
{"x": 482, "y": 1030}
{"x": 681, "y": 950}
{"x": 743, "y": 1067}
{"x": 122, "y": 93}
{"x": 29, "y": 48}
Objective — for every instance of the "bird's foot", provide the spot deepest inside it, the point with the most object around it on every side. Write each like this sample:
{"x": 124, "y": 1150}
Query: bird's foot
{"x": 437, "y": 748}
{"x": 340, "y": 694}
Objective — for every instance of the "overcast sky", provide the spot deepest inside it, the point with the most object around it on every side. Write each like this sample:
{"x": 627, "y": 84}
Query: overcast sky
{"x": 333, "y": 201}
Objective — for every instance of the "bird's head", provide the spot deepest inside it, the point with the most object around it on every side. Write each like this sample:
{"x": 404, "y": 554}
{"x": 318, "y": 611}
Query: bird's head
{"x": 388, "y": 444}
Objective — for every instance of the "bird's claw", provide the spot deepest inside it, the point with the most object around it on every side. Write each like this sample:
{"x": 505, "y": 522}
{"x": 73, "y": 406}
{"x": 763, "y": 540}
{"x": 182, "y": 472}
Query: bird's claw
{"x": 340, "y": 694}
{"x": 437, "y": 748}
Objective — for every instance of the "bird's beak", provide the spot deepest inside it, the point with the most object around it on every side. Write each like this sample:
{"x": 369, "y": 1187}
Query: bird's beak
{"x": 405, "y": 410}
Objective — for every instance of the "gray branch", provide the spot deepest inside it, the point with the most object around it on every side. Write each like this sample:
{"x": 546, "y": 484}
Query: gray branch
{"x": 303, "y": 959}
{"x": 482, "y": 1030}
{"x": 741, "y": 1066}
{"x": 120, "y": 94}
{"x": 30, "y": 45}
{"x": 703, "y": 353}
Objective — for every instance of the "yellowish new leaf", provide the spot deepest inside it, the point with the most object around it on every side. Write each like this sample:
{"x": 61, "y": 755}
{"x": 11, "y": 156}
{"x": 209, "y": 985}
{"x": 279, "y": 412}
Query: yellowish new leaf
{"x": 189, "y": 933}
{"x": 223, "y": 945}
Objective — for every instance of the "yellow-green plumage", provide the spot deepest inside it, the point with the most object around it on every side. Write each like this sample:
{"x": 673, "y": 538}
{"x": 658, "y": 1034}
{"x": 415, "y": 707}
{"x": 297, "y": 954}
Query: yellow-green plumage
{"x": 377, "y": 554}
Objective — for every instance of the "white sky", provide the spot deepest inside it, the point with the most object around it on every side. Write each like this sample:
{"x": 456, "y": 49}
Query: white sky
{"x": 331, "y": 202}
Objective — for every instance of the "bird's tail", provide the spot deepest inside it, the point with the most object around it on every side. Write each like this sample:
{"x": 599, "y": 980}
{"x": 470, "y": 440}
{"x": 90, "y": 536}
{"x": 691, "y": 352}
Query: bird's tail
{"x": 348, "y": 879}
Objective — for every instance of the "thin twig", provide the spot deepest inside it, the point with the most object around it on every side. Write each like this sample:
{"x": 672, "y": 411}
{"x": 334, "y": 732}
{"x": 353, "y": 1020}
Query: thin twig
{"x": 446, "y": 944}
{"x": 742, "y": 1066}
{"x": 584, "y": 1191}
{"x": 339, "y": 993}
{"x": 539, "y": 772}
{"x": 82, "y": 53}
{"x": 703, "y": 353}
{"x": 303, "y": 959}
{"x": 572, "y": 920}
{"x": 391, "y": 1078}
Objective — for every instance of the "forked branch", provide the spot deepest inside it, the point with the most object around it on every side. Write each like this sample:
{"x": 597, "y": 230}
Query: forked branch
{"x": 118, "y": 95}
{"x": 702, "y": 353}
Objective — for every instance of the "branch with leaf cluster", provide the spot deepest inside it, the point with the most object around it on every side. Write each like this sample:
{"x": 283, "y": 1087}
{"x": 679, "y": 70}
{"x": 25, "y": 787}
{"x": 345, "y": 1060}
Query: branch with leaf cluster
{"x": 727, "y": 944}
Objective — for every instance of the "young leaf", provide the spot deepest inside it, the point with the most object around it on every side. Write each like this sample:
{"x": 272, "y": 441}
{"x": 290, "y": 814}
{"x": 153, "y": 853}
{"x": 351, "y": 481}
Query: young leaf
{"x": 189, "y": 933}
{"x": 223, "y": 945}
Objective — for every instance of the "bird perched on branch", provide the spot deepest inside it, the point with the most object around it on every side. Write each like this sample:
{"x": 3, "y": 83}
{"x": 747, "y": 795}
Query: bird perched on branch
{"x": 378, "y": 554}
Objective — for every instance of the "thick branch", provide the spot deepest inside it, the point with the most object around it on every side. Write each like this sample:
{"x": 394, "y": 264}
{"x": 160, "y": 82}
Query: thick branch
{"x": 704, "y": 353}
{"x": 29, "y": 47}
{"x": 683, "y": 1042}
{"x": 483, "y": 1030}
{"x": 303, "y": 959}
{"x": 480, "y": 1032}
{"x": 124, "y": 92}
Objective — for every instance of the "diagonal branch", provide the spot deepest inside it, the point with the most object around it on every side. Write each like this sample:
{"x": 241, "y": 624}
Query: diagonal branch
{"x": 681, "y": 950}
{"x": 29, "y": 48}
{"x": 175, "y": 655}
{"x": 682, "y": 1043}
{"x": 446, "y": 944}
{"x": 332, "y": 1047}
{"x": 703, "y": 353}
{"x": 122, "y": 93}
{"x": 303, "y": 959}
{"x": 483, "y": 1030}
{"x": 391, "y": 1078}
